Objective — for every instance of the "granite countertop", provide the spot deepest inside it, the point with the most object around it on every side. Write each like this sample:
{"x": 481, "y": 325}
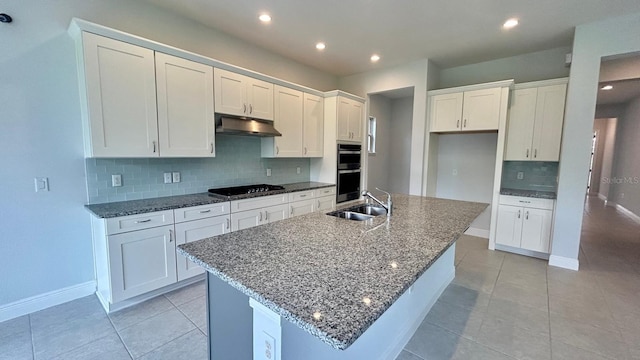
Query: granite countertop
{"x": 315, "y": 270}
{"x": 133, "y": 207}
{"x": 529, "y": 193}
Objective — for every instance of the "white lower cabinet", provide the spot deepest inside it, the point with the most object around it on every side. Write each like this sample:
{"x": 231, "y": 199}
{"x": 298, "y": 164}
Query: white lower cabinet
{"x": 197, "y": 230}
{"x": 525, "y": 223}
{"x": 326, "y": 203}
{"x": 250, "y": 218}
{"x": 141, "y": 261}
{"x": 302, "y": 207}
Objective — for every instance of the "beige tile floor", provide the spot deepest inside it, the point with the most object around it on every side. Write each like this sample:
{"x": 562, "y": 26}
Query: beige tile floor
{"x": 500, "y": 306}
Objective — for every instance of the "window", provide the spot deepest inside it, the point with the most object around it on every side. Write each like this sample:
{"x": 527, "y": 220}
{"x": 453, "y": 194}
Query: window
{"x": 371, "y": 135}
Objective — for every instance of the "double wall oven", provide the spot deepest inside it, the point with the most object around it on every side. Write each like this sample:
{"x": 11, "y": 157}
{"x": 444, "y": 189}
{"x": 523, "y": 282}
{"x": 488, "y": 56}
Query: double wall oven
{"x": 349, "y": 167}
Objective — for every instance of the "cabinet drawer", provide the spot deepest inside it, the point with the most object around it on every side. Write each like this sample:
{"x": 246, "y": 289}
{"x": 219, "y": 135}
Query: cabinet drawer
{"x": 326, "y": 191}
{"x": 259, "y": 202}
{"x": 536, "y": 203}
{"x": 139, "y": 221}
{"x": 302, "y": 195}
{"x": 201, "y": 212}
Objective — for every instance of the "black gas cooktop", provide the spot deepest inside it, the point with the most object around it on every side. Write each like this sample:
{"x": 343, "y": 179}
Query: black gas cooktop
{"x": 247, "y": 189}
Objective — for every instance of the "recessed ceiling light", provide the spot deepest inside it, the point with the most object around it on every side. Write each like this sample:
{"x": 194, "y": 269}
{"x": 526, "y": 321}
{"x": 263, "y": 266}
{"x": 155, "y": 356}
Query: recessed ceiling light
{"x": 511, "y": 23}
{"x": 375, "y": 58}
{"x": 265, "y": 18}
{"x": 606, "y": 87}
{"x": 320, "y": 46}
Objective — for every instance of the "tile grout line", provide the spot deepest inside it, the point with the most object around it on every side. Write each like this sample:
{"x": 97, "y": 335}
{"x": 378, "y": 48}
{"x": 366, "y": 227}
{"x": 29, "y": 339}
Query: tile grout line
{"x": 120, "y": 337}
{"x": 33, "y": 345}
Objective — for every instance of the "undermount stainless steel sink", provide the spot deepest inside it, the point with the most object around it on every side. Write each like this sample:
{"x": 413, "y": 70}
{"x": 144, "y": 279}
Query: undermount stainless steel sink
{"x": 369, "y": 209}
{"x": 359, "y": 212}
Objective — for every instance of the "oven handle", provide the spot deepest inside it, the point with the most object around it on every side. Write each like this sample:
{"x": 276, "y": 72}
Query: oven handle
{"x": 348, "y": 171}
{"x": 349, "y": 152}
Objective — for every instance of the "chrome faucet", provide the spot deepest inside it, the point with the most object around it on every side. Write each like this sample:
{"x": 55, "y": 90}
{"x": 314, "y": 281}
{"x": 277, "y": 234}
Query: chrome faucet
{"x": 388, "y": 206}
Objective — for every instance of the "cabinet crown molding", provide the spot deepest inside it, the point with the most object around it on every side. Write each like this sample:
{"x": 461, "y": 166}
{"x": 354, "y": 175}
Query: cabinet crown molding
{"x": 503, "y": 83}
{"x": 535, "y": 84}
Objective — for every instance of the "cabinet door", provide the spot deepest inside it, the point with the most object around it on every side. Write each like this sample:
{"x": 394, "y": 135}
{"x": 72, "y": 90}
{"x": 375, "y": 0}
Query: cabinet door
{"x": 121, "y": 99}
{"x": 548, "y": 124}
{"x": 509, "y": 228}
{"x": 344, "y": 108}
{"x": 481, "y": 110}
{"x": 536, "y": 229}
{"x": 313, "y": 126}
{"x": 260, "y": 99}
{"x": 302, "y": 207}
{"x": 185, "y": 107}
{"x": 197, "y": 230}
{"x": 288, "y": 120}
{"x": 355, "y": 121}
{"x": 446, "y": 112}
{"x": 230, "y": 92}
{"x": 326, "y": 203}
{"x": 276, "y": 213}
{"x": 247, "y": 219}
{"x": 141, "y": 261}
{"x": 520, "y": 127}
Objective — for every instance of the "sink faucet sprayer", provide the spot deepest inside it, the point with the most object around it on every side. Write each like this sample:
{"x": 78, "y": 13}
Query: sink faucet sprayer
{"x": 388, "y": 206}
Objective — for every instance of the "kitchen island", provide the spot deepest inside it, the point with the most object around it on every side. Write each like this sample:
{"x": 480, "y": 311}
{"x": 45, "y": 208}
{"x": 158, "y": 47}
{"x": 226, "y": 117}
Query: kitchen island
{"x": 322, "y": 287}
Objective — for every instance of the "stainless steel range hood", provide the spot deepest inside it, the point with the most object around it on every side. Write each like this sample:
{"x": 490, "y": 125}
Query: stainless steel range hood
{"x": 234, "y": 125}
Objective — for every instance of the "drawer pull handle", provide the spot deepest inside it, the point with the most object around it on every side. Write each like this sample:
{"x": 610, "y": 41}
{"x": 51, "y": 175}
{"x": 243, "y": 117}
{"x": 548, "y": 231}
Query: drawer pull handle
{"x": 143, "y": 221}
{"x": 318, "y": 205}
{"x": 205, "y": 211}
{"x": 170, "y": 235}
{"x": 303, "y": 196}
{"x": 228, "y": 223}
{"x": 525, "y": 202}
{"x": 292, "y": 210}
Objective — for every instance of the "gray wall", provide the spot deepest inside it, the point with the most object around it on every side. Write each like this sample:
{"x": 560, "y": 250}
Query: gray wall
{"x": 591, "y": 42}
{"x": 473, "y": 156}
{"x": 600, "y": 128}
{"x": 46, "y": 239}
{"x": 400, "y": 145}
{"x": 541, "y": 65}
{"x": 607, "y": 157}
{"x": 625, "y": 184}
{"x": 378, "y": 163}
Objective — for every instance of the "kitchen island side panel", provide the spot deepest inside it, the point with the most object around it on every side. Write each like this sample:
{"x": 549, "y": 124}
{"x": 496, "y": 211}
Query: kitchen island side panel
{"x": 230, "y": 321}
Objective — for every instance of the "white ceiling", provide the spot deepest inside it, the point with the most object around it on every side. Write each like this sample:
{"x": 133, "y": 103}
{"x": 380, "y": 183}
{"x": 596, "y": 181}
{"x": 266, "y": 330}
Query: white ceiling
{"x": 451, "y": 33}
{"x": 623, "y": 73}
{"x": 622, "y": 92}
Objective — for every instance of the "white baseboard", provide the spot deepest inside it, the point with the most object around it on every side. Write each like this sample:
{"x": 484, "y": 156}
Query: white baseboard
{"x": 602, "y": 197}
{"x": 477, "y": 232}
{"x": 564, "y": 262}
{"x": 46, "y": 300}
{"x": 524, "y": 252}
{"x": 627, "y": 212}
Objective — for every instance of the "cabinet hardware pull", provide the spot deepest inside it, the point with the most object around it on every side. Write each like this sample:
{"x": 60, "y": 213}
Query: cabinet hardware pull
{"x": 250, "y": 109}
{"x": 292, "y": 210}
{"x": 260, "y": 216}
{"x": 305, "y": 150}
{"x": 212, "y": 148}
{"x": 526, "y": 216}
{"x": 277, "y": 150}
{"x": 535, "y": 153}
{"x": 525, "y": 202}
{"x": 228, "y": 223}
{"x": 205, "y": 211}
{"x": 527, "y": 153}
{"x": 143, "y": 221}
{"x": 154, "y": 146}
{"x": 465, "y": 122}
{"x": 266, "y": 215}
{"x": 170, "y": 235}
{"x": 458, "y": 124}
{"x": 303, "y": 195}
{"x": 244, "y": 108}
{"x": 518, "y": 214}
{"x": 318, "y": 205}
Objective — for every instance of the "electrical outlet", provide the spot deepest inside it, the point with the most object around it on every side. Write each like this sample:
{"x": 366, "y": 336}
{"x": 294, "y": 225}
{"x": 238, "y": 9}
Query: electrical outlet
{"x": 298, "y": 170}
{"x": 268, "y": 172}
{"x": 41, "y": 183}
{"x": 167, "y": 178}
{"x": 269, "y": 346}
{"x": 116, "y": 180}
{"x": 621, "y": 195}
{"x": 176, "y": 176}
{"x": 520, "y": 175}
{"x": 455, "y": 172}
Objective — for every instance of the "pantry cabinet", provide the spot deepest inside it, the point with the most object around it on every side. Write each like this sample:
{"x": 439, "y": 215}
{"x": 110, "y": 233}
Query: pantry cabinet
{"x": 118, "y": 91}
{"x": 349, "y": 122}
{"x": 536, "y": 117}
{"x": 525, "y": 223}
{"x": 185, "y": 107}
{"x": 474, "y": 110}
{"x": 237, "y": 94}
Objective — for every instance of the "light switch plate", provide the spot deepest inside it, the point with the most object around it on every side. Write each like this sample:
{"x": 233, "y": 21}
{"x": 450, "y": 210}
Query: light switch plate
{"x": 168, "y": 179}
{"x": 116, "y": 180}
{"x": 176, "y": 176}
{"x": 41, "y": 183}
{"x": 520, "y": 175}
{"x": 298, "y": 170}
{"x": 268, "y": 172}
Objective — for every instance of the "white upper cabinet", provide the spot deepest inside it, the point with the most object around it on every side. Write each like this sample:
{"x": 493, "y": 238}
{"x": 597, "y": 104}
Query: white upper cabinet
{"x": 119, "y": 99}
{"x": 350, "y": 116}
{"x": 536, "y": 116}
{"x": 240, "y": 95}
{"x": 185, "y": 107}
{"x": 474, "y": 110}
{"x": 446, "y": 112}
{"x": 313, "y": 126}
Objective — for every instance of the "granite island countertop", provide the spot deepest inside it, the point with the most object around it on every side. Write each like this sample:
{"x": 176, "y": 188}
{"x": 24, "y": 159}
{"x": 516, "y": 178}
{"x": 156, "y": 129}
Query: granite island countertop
{"x": 316, "y": 270}
{"x": 133, "y": 207}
